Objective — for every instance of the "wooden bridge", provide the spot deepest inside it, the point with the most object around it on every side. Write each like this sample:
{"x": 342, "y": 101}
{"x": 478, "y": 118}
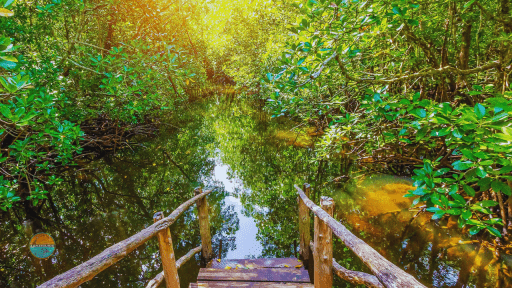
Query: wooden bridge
{"x": 316, "y": 267}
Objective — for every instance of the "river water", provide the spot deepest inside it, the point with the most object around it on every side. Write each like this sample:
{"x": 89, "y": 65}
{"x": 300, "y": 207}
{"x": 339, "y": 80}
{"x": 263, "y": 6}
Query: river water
{"x": 252, "y": 162}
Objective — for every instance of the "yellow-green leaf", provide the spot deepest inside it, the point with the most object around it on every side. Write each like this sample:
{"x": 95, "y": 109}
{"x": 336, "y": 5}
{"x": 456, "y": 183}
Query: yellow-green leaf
{"x": 9, "y": 58}
{"x": 6, "y": 13}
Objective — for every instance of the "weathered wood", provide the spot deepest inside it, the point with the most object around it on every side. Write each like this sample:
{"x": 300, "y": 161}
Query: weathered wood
{"x": 220, "y": 249}
{"x": 204, "y": 228}
{"x": 257, "y": 263}
{"x": 87, "y": 270}
{"x": 167, "y": 254}
{"x": 254, "y": 275}
{"x": 215, "y": 284}
{"x": 354, "y": 277}
{"x": 388, "y": 273}
{"x": 304, "y": 229}
{"x": 155, "y": 282}
{"x": 323, "y": 247}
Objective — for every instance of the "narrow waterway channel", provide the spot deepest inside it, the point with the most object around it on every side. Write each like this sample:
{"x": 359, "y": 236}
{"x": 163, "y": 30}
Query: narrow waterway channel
{"x": 252, "y": 162}
{"x": 244, "y": 240}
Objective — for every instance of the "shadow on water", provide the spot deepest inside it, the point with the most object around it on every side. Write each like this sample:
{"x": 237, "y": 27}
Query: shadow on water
{"x": 253, "y": 162}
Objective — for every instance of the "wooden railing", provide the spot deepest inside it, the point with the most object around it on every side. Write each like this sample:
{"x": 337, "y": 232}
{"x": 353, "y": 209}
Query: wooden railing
{"x": 317, "y": 256}
{"x": 87, "y": 270}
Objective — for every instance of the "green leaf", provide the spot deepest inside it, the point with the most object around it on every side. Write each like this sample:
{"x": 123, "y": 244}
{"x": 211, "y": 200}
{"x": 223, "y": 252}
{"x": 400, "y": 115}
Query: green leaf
{"x": 496, "y": 185}
{"x": 493, "y": 231}
{"x": 7, "y": 64}
{"x": 484, "y": 183}
{"x": 6, "y": 112}
{"x": 466, "y": 214}
{"x": 441, "y": 132}
{"x": 469, "y": 3}
{"x": 479, "y": 111}
{"x": 9, "y": 58}
{"x": 503, "y": 136}
{"x": 419, "y": 112}
{"x": 494, "y": 221}
{"x": 457, "y": 133}
{"x": 458, "y": 198}
{"x": 433, "y": 209}
{"x": 421, "y": 133}
{"x": 462, "y": 165}
{"x": 6, "y": 13}
{"x": 397, "y": 10}
{"x": 469, "y": 190}
{"x": 487, "y": 203}
{"x": 454, "y": 211}
{"x": 505, "y": 189}
{"x": 474, "y": 230}
{"x": 480, "y": 209}
{"x": 438, "y": 215}
{"x": 480, "y": 172}
{"x": 9, "y": 3}
{"x": 413, "y": 22}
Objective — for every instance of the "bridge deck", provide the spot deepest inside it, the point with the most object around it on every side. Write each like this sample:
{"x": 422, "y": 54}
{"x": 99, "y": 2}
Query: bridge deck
{"x": 254, "y": 273}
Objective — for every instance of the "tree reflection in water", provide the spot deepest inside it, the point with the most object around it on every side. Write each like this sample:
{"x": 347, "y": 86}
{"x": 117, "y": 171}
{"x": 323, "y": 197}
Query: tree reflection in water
{"x": 106, "y": 201}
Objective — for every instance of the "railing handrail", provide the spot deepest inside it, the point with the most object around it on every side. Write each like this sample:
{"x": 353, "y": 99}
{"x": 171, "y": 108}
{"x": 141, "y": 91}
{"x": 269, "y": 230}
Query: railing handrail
{"x": 388, "y": 273}
{"x": 87, "y": 270}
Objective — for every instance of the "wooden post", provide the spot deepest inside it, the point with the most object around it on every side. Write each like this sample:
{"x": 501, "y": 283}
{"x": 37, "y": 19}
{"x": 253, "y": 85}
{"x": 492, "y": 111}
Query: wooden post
{"x": 294, "y": 247}
{"x": 220, "y": 248}
{"x": 323, "y": 247}
{"x": 304, "y": 229}
{"x": 167, "y": 254}
{"x": 204, "y": 228}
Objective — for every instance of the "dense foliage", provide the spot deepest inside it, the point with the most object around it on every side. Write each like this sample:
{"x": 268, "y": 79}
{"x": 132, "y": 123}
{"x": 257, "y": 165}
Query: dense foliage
{"x": 80, "y": 78}
{"x": 399, "y": 83}
{"x": 414, "y": 88}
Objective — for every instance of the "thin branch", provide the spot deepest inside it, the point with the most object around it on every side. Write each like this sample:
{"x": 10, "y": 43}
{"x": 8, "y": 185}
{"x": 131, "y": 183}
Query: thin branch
{"x": 83, "y": 67}
{"x": 429, "y": 72}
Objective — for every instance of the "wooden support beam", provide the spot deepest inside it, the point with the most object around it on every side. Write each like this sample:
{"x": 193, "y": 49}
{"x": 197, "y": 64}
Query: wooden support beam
{"x": 388, "y": 273}
{"x": 356, "y": 277}
{"x": 220, "y": 249}
{"x": 87, "y": 270}
{"x": 167, "y": 254}
{"x": 204, "y": 228}
{"x": 304, "y": 229}
{"x": 323, "y": 247}
{"x": 353, "y": 277}
{"x": 155, "y": 282}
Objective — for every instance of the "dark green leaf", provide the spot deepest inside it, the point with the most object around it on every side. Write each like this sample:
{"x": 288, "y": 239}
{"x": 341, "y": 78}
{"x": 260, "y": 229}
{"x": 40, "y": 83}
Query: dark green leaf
{"x": 479, "y": 111}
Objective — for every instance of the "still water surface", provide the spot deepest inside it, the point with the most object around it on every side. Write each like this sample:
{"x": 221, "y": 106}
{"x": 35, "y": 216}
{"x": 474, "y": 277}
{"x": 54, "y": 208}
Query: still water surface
{"x": 252, "y": 162}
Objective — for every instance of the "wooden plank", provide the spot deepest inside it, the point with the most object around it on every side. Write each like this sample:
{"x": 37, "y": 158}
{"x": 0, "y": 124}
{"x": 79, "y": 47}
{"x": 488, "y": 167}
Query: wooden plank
{"x": 214, "y": 284}
{"x": 87, "y": 270}
{"x": 255, "y": 263}
{"x": 253, "y": 275}
{"x": 323, "y": 247}
{"x": 388, "y": 273}
{"x": 167, "y": 254}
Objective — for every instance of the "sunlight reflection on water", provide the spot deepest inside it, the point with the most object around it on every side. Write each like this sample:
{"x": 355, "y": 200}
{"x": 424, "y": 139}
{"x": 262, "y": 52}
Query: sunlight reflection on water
{"x": 245, "y": 238}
